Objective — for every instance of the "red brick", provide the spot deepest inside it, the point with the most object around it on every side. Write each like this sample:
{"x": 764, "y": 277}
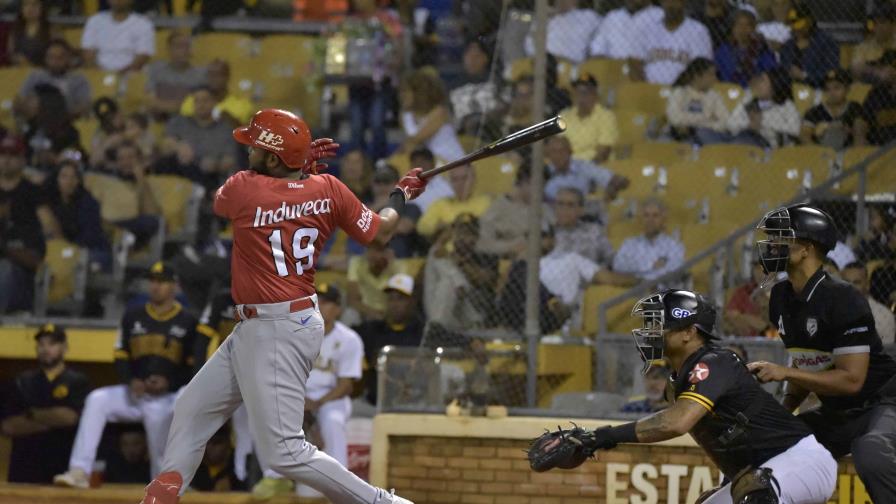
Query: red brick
{"x": 512, "y": 499}
{"x": 428, "y": 484}
{"x": 562, "y": 490}
{"x": 579, "y": 478}
{"x": 442, "y": 473}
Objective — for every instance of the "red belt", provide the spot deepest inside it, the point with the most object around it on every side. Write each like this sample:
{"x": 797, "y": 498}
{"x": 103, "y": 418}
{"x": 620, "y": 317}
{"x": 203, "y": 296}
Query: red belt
{"x": 249, "y": 311}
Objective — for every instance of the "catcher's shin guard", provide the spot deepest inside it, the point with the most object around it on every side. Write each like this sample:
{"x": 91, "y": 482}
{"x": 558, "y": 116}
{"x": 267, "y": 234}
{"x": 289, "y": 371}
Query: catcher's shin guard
{"x": 164, "y": 489}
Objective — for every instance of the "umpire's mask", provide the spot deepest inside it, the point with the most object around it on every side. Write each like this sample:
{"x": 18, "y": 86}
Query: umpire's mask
{"x": 774, "y": 250}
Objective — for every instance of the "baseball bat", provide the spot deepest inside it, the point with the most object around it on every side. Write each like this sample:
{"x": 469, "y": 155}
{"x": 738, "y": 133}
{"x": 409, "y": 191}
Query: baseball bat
{"x": 512, "y": 141}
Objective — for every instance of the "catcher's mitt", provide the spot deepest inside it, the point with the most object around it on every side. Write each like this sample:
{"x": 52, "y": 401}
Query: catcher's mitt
{"x": 566, "y": 449}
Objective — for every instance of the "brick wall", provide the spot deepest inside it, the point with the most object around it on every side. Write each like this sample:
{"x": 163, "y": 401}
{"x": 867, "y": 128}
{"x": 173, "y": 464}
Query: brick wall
{"x": 465, "y": 470}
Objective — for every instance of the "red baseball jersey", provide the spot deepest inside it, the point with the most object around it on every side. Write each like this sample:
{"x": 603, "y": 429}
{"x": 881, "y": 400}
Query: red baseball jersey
{"x": 279, "y": 227}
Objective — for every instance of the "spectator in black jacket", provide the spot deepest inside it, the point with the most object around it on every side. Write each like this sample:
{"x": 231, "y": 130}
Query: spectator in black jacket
{"x": 130, "y": 463}
{"x": 78, "y": 214}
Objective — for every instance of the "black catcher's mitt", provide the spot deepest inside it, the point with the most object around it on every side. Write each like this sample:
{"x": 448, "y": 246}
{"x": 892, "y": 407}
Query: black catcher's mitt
{"x": 566, "y": 449}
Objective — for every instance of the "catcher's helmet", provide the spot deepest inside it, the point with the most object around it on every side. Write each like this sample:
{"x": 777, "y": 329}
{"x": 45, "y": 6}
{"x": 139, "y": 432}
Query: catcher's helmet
{"x": 669, "y": 310}
{"x": 279, "y": 132}
{"x": 786, "y": 224}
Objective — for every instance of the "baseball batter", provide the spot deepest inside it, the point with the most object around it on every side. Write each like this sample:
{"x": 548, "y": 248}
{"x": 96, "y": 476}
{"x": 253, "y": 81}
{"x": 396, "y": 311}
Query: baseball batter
{"x": 282, "y": 212}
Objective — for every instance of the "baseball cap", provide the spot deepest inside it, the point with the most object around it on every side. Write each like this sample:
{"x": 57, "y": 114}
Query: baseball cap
{"x": 329, "y": 292}
{"x": 838, "y": 75}
{"x": 401, "y": 282}
{"x": 585, "y": 79}
{"x": 12, "y": 144}
{"x": 800, "y": 17}
{"x": 162, "y": 272}
{"x": 54, "y": 331}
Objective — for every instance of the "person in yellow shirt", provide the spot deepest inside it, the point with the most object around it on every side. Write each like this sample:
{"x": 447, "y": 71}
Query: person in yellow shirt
{"x": 230, "y": 107}
{"x": 367, "y": 277}
{"x": 590, "y": 127}
{"x": 442, "y": 212}
{"x": 882, "y": 37}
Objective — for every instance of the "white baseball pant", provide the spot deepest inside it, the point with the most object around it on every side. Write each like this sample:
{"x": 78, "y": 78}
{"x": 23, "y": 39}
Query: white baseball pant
{"x": 806, "y": 474}
{"x": 264, "y": 363}
{"x": 115, "y": 404}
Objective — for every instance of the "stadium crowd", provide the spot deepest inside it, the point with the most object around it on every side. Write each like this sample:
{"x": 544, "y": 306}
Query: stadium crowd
{"x": 458, "y": 260}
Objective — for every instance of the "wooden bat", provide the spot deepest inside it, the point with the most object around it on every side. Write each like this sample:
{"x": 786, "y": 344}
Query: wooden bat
{"x": 512, "y": 141}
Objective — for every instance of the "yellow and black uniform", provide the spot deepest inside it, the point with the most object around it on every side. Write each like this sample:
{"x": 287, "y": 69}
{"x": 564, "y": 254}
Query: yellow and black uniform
{"x": 218, "y": 319}
{"x": 166, "y": 344}
{"x": 38, "y": 457}
{"x": 718, "y": 380}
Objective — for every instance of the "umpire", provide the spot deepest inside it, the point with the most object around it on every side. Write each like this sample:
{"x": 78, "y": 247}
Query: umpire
{"x": 828, "y": 329}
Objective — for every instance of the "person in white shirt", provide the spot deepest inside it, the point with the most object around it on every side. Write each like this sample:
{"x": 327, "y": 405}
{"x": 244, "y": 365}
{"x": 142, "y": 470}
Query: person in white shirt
{"x": 767, "y": 116}
{"x": 667, "y": 45}
{"x": 328, "y": 389}
{"x": 857, "y": 274}
{"x": 775, "y": 28}
{"x": 654, "y": 253}
{"x": 574, "y": 234}
{"x": 614, "y": 38}
{"x": 570, "y": 31}
{"x": 118, "y": 40}
{"x": 695, "y": 110}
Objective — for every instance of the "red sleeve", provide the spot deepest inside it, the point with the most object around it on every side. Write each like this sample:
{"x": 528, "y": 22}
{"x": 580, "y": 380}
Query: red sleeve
{"x": 227, "y": 196}
{"x": 358, "y": 221}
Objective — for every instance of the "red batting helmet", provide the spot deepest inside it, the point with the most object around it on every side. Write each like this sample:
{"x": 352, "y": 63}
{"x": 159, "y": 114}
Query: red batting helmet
{"x": 280, "y": 132}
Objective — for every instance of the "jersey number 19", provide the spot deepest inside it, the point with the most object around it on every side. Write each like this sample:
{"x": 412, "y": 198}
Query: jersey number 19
{"x": 302, "y": 250}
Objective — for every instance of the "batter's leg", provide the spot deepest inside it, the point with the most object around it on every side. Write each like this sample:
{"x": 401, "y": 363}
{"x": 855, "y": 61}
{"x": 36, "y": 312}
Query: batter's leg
{"x": 272, "y": 360}
{"x": 200, "y": 410}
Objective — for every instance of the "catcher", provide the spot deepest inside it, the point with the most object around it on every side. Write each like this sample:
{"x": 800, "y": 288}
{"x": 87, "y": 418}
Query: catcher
{"x": 767, "y": 455}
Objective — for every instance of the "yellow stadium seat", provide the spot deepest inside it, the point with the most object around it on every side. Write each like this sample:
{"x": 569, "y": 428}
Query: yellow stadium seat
{"x": 11, "y": 79}
{"x": 63, "y": 278}
{"x": 401, "y": 162}
{"x": 117, "y": 198}
{"x": 72, "y": 35}
{"x": 634, "y": 126}
{"x": 880, "y": 175}
{"x": 179, "y": 199}
{"x": 292, "y": 49}
{"x": 619, "y": 230}
{"x": 846, "y": 54}
{"x": 642, "y": 96}
{"x": 103, "y": 83}
{"x": 162, "y": 43}
{"x": 817, "y": 159}
{"x": 804, "y": 97}
{"x": 86, "y": 127}
{"x": 661, "y": 152}
{"x": 729, "y": 154}
{"x": 731, "y": 93}
{"x": 608, "y": 72}
{"x": 411, "y": 265}
{"x": 858, "y": 91}
{"x": 232, "y": 47}
{"x": 618, "y": 316}
{"x": 494, "y": 175}
{"x": 132, "y": 92}
{"x": 521, "y": 67}
{"x": 643, "y": 175}
{"x": 337, "y": 278}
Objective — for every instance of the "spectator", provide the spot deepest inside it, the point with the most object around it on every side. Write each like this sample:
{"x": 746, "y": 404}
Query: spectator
{"x": 875, "y": 243}
{"x": 695, "y": 110}
{"x": 367, "y": 275}
{"x": 168, "y": 83}
{"x": 519, "y": 112}
{"x": 406, "y": 242}
{"x": 614, "y": 38}
{"x": 30, "y": 35}
{"x": 857, "y": 274}
{"x": 590, "y": 127}
{"x": 570, "y": 31}
{"x": 355, "y": 171}
{"x": 654, "y": 398}
{"x": 459, "y": 283}
{"x": 883, "y": 284}
{"x": 568, "y": 171}
{"x": 371, "y": 97}
{"x": 22, "y": 244}
{"x": 882, "y": 37}
{"x": 716, "y": 17}
{"x": 118, "y": 40}
{"x": 42, "y": 409}
{"x": 130, "y": 167}
{"x": 476, "y": 100}
{"x": 503, "y": 227}
{"x": 811, "y": 53}
{"x": 880, "y": 104}
{"x": 230, "y": 108}
{"x": 667, "y": 45}
{"x": 78, "y": 214}
{"x": 216, "y": 473}
{"x": 108, "y": 135}
{"x": 766, "y": 116}
{"x": 58, "y": 72}
{"x": 157, "y": 352}
{"x": 136, "y": 129}
{"x": 130, "y": 463}
{"x": 572, "y": 234}
{"x": 774, "y": 26}
{"x": 835, "y": 122}
{"x": 425, "y": 117}
{"x": 437, "y": 188}
{"x": 444, "y": 211}
{"x": 746, "y": 313}
{"x": 402, "y": 326}
{"x": 653, "y": 253}
{"x": 744, "y": 53}
{"x": 49, "y": 129}
{"x": 209, "y": 138}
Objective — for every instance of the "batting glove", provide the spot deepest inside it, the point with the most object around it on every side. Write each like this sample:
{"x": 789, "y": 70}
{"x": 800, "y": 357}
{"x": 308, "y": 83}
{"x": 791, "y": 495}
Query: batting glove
{"x": 411, "y": 184}
{"x": 320, "y": 149}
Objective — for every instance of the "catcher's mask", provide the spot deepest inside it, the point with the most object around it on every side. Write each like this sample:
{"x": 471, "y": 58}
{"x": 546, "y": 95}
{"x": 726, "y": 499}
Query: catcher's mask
{"x": 670, "y": 310}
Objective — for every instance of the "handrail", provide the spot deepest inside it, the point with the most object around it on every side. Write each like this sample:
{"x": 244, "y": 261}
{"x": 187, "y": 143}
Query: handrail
{"x": 730, "y": 240}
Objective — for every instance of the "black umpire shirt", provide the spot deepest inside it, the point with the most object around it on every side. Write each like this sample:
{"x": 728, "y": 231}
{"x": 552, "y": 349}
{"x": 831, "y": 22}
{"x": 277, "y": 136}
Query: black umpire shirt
{"x": 38, "y": 457}
{"x": 829, "y": 318}
{"x": 159, "y": 344}
{"x": 719, "y": 381}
